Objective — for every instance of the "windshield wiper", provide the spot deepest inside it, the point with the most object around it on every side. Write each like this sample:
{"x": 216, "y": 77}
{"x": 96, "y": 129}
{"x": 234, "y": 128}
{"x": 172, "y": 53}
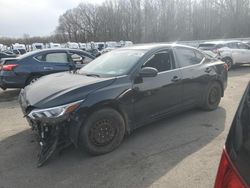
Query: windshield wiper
{"x": 94, "y": 75}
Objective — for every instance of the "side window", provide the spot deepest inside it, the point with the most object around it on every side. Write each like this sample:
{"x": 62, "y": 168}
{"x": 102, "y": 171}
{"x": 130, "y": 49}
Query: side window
{"x": 57, "y": 57}
{"x": 160, "y": 61}
{"x": 199, "y": 56}
{"x": 232, "y": 45}
{"x": 80, "y": 59}
{"x": 219, "y": 46}
{"x": 187, "y": 57}
{"x": 39, "y": 58}
{"x": 243, "y": 46}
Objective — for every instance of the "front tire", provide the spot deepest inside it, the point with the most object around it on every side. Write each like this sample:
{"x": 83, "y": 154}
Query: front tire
{"x": 102, "y": 132}
{"x": 213, "y": 97}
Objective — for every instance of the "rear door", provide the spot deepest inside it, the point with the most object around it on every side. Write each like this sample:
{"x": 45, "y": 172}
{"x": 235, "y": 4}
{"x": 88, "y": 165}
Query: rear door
{"x": 55, "y": 62}
{"x": 237, "y": 54}
{"x": 245, "y": 52}
{"x": 196, "y": 74}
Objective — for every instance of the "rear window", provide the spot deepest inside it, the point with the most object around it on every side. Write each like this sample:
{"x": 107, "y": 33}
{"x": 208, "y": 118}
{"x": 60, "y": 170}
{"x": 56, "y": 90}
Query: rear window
{"x": 210, "y": 46}
{"x": 206, "y": 46}
{"x": 22, "y": 51}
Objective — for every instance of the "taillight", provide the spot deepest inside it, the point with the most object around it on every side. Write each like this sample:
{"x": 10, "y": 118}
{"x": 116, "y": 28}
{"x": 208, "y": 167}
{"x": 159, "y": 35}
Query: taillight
{"x": 225, "y": 66}
{"x": 227, "y": 175}
{"x": 9, "y": 67}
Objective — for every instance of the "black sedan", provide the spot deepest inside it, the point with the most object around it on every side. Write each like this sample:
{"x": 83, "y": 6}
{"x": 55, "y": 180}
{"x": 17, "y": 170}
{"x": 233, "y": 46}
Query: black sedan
{"x": 21, "y": 71}
{"x": 119, "y": 92}
{"x": 234, "y": 168}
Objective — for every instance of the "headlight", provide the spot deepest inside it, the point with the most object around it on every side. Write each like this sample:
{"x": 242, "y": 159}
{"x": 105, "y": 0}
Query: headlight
{"x": 55, "y": 111}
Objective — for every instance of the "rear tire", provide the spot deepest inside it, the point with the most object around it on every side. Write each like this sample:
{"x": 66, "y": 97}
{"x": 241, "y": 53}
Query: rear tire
{"x": 213, "y": 97}
{"x": 102, "y": 132}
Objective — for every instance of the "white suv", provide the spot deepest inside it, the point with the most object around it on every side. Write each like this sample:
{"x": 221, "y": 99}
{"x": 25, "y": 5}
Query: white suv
{"x": 231, "y": 52}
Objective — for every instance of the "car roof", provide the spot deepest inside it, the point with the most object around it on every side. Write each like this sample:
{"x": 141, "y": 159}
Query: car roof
{"x": 220, "y": 42}
{"x": 155, "y": 46}
{"x": 59, "y": 49}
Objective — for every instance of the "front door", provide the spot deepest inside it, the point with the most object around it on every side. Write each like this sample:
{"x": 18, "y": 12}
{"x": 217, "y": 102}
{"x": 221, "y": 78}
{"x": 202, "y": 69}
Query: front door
{"x": 157, "y": 96}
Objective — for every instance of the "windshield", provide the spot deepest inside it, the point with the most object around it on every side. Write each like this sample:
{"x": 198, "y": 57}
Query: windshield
{"x": 115, "y": 63}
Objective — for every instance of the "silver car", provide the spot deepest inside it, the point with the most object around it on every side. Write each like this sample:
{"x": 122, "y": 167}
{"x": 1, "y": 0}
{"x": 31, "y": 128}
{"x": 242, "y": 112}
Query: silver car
{"x": 231, "y": 52}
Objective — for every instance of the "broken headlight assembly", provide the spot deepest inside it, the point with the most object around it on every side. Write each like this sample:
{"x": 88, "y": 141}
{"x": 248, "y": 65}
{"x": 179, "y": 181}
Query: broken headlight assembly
{"x": 54, "y": 112}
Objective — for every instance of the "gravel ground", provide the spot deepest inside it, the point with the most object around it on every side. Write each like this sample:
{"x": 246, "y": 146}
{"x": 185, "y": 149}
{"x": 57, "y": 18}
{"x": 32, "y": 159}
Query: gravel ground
{"x": 182, "y": 151}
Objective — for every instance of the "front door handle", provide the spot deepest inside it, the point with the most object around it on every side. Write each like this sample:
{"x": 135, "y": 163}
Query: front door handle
{"x": 175, "y": 79}
{"x": 208, "y": 70}
{"x": 48, "y": 68}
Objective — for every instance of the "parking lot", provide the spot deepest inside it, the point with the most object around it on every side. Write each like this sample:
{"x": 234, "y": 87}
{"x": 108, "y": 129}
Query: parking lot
{"x": 182, "y": 151}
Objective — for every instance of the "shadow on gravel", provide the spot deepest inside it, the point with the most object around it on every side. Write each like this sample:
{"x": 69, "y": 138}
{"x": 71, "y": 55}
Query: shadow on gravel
{"x": 144, "y": 157}
{"x": 9, "y": 95}
{"x": 239, "y": 71}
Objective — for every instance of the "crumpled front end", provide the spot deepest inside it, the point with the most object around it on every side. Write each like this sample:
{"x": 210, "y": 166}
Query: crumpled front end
{"x": 54, "y": 133}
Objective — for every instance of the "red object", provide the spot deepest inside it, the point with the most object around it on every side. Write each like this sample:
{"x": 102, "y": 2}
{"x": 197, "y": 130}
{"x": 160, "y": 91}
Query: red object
{"x": 225, "y": 66}
{"x": 227, "y": 175}
{"x": 10, "y": 67}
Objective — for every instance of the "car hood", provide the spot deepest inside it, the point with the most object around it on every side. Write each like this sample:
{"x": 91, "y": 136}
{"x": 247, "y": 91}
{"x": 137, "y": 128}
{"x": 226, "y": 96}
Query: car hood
{"x": 62, "y": 88}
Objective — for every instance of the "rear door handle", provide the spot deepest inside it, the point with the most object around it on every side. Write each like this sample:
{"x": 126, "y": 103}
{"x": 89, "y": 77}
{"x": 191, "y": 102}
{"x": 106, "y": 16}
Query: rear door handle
{"x": 48, "y": 68}
{"x": 175, "y": 79}
{"x": 208, "y": 70}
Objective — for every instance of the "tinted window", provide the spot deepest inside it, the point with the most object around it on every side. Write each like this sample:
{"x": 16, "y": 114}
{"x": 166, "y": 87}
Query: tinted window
{"x": 219, "y": 46}
{"x": 22, "y": 51}
{"x": 39, "y": 58}
{"x": 187, "y": 57}
{"x": 233, "y": 45}
{"x": 160, "y": 61}
{"x": 57, "y": 58}
{"x": 243, "y": 46}
{"x": 80, "y": 59}
{"x": 16, "y": 52}
{"x": 207, "y": 46}
{"x": 199, "y": 56}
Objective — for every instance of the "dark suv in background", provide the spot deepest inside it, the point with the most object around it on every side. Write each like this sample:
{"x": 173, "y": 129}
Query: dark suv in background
{"x": 21, "y": 71}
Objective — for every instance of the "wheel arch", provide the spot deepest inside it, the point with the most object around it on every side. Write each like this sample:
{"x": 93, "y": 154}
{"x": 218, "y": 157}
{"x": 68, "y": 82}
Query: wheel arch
{"x": 114, "y": 105}
{"x": 221, "y": 85}
{"x": 30, "y": 76}
{"x": 229, "y": 57}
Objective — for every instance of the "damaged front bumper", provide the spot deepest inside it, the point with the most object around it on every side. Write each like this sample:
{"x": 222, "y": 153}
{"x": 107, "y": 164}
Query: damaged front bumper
{"x": 51, "y": 138}
{"x": 54, "y": 133}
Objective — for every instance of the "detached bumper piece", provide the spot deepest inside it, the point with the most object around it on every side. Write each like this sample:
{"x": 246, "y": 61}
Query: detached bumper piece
{"x": 52, "y": 140}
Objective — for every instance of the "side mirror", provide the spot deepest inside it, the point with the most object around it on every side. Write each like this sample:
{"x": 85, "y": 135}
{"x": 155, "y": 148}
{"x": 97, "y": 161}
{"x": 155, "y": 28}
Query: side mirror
{"x": 148, "y": 72}
{"x": 76, "y": 58}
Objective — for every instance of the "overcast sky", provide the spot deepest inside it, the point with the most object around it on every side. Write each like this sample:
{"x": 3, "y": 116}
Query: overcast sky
{"x": 33, "y": 17}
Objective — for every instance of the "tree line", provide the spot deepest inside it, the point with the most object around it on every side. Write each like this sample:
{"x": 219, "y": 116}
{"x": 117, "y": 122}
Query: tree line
{"x": 154, "y": 21}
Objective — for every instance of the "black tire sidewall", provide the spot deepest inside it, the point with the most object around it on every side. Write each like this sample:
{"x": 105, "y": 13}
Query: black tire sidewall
{"x": 85, "y": 141}
{"x": 207, "y": 105}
